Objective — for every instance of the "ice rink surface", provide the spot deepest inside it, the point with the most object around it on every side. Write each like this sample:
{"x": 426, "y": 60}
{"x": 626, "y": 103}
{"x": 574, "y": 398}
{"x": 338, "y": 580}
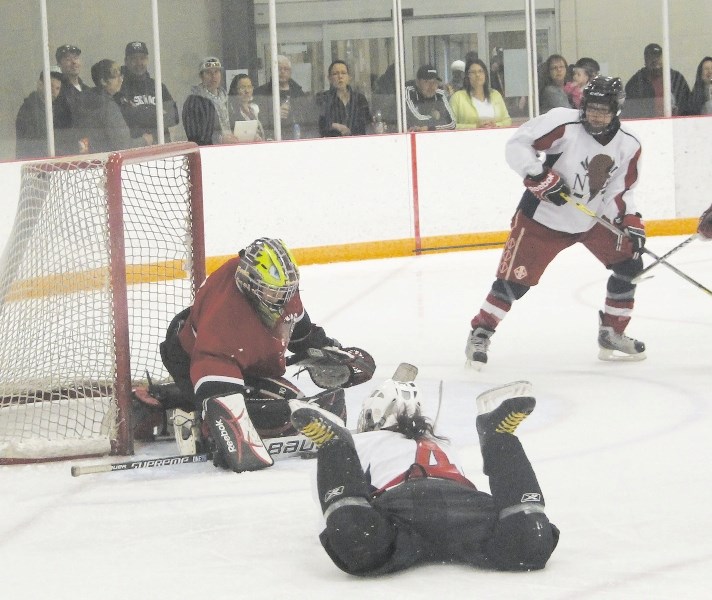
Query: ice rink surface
{"x": 621, "y": 450}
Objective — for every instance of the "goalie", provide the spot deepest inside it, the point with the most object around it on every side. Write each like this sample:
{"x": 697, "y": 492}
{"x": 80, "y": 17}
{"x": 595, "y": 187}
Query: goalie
{"x": 226, "y": 354}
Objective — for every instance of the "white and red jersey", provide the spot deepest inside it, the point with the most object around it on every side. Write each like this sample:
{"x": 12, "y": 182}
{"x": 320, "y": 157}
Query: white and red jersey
{"x": 388, "y": 459}
{"x": 570, "y": 150}
{"x": 225, "y": 337}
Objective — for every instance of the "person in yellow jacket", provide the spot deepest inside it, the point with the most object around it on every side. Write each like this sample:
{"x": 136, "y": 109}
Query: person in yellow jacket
{"x": 476, "y": 104}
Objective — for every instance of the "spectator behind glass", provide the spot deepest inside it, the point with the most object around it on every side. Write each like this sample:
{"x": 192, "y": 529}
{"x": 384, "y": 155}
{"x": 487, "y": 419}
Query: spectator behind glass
{"x": 102, "y": 122}
{"x": 240, "y": 105}
{"x": 342, "y": 110}
{"x": 701, "y": 97}
{"x": 457, "y": 77}
{"x": 383, "y": 98}
{"x": 31, "y": 125}
{"x": 551, "y": 84}
{"x": 293, "y": 103}
{"x": 200, "y": 121}
{"x": 584, "y": 70}
{"x": 211, "y": 87}
{"x": 70, "y": 63}
{"x": 428, "y": 108}
{"x": 139, "y": 95}
{"x": 644, "y": 91}
{"x": 476, "y": 104}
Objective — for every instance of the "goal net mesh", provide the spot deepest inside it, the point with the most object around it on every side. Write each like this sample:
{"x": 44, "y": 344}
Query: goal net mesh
{"x": 59, "y": 298}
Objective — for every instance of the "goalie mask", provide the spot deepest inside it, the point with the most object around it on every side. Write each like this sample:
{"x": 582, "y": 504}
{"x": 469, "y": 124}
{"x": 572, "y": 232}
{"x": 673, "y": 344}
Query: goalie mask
{"x": 381, "y": 409}
{"x": 602, "y": 93}
{"x": 268, "y": 275}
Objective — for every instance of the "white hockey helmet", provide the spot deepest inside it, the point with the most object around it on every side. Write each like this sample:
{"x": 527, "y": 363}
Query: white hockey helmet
{"x": 381, "y": 409}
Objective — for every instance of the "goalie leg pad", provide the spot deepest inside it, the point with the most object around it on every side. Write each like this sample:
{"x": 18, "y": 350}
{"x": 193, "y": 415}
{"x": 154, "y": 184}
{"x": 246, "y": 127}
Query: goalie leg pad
{"x": 234, "y": 434}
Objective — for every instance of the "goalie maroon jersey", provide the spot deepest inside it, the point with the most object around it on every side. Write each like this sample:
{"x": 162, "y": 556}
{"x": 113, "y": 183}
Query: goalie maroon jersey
{"x": 225, "y": 337}
{"x": 607, "y": 171}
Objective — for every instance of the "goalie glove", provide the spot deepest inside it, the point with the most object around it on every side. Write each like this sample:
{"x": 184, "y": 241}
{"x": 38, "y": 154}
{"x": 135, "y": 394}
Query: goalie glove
{"x": 548, "y": 187}
{"x": 333, "y": 367}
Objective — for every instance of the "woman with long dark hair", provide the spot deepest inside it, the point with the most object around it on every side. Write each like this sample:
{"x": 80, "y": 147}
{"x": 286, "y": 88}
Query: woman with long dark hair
{"x": 477, "y": 105}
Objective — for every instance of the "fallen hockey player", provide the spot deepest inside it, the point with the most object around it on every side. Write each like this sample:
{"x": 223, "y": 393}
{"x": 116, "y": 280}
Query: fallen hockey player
{"x": 394, "y": 494}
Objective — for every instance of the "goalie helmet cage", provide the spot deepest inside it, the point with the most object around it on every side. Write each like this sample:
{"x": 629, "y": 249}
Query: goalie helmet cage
{"x": 105, "y": 250}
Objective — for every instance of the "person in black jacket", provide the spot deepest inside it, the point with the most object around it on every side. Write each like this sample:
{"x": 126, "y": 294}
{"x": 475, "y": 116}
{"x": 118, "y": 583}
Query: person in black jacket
{"x": 138, "y": 96}
{"x": 343, "y": 110}
{"x": 295, "y": 117}
{"x": 644, "y": 91}
{"x": 31, "y": 125}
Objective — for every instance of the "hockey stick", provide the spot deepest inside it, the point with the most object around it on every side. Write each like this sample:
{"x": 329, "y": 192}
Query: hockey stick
{"x": 664, "y": 257}
{"x": 440, "y": 403}
{"x": 278, "y": 448}
{"x": 610, "y": 226}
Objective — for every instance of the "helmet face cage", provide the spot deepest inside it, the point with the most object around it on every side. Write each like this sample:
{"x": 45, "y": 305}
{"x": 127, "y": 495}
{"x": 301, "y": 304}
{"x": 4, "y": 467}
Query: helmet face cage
{"x": 606, "y": 91}
{"x": 268, "y": 273}
{"x": 381, "y": 409}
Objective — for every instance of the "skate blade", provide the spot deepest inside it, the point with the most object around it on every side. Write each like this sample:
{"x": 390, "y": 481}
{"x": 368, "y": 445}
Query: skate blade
{"x": 617, "y": 356}
{"x": 490, "y": 399}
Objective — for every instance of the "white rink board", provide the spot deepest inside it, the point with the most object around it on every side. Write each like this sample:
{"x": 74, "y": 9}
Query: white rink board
{"x": 340, "y": 191}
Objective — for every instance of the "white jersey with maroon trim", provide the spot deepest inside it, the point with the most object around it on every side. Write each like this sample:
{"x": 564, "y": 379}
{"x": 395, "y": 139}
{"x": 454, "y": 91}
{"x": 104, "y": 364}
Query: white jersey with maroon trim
{"x": 583, "y": 163}
{"x": 386, "y": 457}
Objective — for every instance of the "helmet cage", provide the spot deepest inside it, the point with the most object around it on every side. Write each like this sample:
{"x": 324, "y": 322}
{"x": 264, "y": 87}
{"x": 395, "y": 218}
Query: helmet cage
{"x": 268, "y": 274}
{"x": 606, "y": 91}
{"x": 382, "y": 408}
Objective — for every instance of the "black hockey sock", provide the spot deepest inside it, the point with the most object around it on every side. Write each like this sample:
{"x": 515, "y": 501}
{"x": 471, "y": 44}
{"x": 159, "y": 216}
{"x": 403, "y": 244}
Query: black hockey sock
{"x": 339, "y": 474}
{"x": 511, "y": 476}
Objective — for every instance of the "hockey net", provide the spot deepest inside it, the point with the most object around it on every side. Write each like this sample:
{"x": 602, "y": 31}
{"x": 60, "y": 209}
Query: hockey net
{"x": 104, "y": 251}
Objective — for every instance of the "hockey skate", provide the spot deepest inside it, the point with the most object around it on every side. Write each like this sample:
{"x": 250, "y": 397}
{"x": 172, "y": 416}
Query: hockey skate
{"x": 616, "y": 346}
{"x": 477, "y": 345}
{"x": 502, "y": 409}
{"x": 320, "y": 426}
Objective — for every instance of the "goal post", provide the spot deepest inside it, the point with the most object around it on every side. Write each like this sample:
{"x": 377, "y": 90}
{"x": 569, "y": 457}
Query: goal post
{"x": 104, "y": 251}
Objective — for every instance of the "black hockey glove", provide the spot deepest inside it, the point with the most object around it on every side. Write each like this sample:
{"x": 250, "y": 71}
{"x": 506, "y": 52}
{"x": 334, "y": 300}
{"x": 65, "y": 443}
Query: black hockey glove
{"x": 634, "y": 228}
{"x": 548, "y": 187}
{"x": 315, "y": 338}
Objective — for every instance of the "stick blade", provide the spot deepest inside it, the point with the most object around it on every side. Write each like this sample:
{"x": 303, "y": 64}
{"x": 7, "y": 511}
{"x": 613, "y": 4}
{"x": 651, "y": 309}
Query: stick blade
{"x": 405, "y": 372}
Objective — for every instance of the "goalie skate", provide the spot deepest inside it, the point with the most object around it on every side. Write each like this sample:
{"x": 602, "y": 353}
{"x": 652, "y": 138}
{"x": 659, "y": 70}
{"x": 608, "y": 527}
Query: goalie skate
{"x": 614, "y": 346}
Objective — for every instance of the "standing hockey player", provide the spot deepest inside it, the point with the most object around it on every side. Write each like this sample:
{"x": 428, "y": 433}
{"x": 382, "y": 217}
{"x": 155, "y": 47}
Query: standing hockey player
{"x": 226, "y": 354}
{"x": 394, "y": 494}
{"x": 589, "y": 156}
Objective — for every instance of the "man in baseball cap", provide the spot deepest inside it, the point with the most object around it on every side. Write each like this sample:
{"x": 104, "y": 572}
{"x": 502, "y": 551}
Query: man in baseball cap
{"x": 428, "y": 107}
{"x": 138, "y": 92}
{"x": 644, "y": 91}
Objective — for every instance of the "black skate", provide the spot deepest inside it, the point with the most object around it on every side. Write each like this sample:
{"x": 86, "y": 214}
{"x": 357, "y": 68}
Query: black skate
{"x": 617, "y": 346}
{"x": 502, "y": 409}
{"x": 478, "y": 343}
{"x": 320, "y": 426}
